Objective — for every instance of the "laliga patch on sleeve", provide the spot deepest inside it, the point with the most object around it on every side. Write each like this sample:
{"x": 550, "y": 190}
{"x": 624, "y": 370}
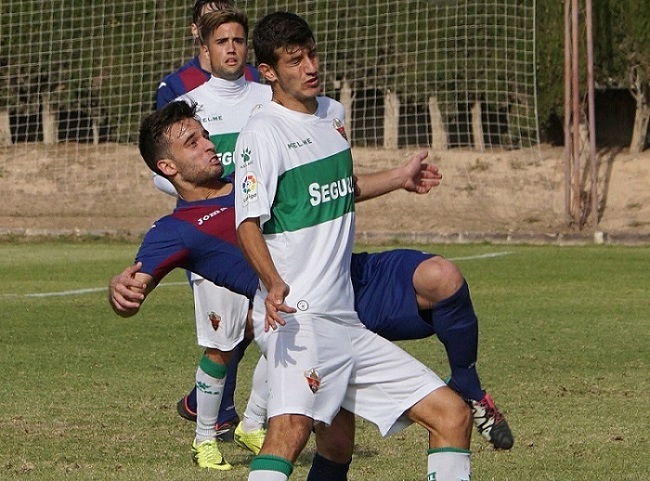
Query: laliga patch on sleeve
{"x": 249, "y": 188}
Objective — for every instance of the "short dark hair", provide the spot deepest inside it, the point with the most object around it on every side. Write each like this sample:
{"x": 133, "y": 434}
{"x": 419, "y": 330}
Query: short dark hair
{"x": 277, "y": 30}
{"x": 154, "y": 142}
{"x": 216, "y": 5}
{"x": 213, "y": 20}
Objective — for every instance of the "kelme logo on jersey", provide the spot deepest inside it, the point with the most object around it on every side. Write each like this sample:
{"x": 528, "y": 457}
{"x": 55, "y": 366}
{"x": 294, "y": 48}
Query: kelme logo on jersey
{"x": 212, "y": 118}
{"x": 246, "y": 157}
{"x": 299, "y": 143}
{"x": 249, "y": 188}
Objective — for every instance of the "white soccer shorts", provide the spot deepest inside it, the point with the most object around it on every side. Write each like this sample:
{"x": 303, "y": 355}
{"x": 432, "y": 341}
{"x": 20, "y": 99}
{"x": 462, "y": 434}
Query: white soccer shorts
{"x": 220, "y": 315}
{"x": 349, "y": 367}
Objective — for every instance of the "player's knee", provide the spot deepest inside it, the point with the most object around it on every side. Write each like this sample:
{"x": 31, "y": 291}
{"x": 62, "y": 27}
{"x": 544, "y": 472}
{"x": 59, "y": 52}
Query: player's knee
{"x": 218, "y": 356}
{"x": 446, "y": 416}
{"x": 287, "y": 435}
{"x": 437, "y": 278}
{"x": 458, "y": 418}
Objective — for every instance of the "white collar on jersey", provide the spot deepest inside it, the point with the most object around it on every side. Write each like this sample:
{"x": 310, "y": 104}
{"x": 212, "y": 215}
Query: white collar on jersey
{"x": 228, "y": 88}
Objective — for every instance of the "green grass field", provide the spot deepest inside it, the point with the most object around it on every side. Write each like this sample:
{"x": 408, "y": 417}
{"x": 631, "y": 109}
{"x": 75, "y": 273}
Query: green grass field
{"x": 565, "y": 352}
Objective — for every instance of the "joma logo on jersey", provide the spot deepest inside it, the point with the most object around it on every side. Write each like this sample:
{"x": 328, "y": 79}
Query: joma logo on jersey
{"x": 209, "y": 216}
{"x": 319, "y": 194}
{"x": 299, "y": 143}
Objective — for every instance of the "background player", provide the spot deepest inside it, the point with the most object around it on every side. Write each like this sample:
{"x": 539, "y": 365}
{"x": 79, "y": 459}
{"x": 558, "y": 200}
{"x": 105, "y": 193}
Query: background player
{"x": 197, "y": 70}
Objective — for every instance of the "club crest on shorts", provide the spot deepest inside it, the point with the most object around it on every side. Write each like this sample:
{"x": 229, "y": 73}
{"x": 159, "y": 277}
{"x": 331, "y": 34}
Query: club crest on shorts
{"x": 215, "y": 319}
{"x": 313, "y": 380}
{"x": 340, "y": 128}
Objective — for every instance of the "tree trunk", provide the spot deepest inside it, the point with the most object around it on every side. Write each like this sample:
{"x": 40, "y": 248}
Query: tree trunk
{"x": 346, "y": 100}
{"x": 641, "y": 119}
{"x": 391, "y": 120}
{"x": 640, "y": 90}
{"x": 48, "y": 119}
{"x": 5, "y": 128}
{"x": 477, "y": 127}
{"x": 438, "y": 133}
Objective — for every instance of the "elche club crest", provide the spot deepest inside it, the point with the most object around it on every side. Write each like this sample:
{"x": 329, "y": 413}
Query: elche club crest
{"x": 215, "y": 320}
{"x": 340, "y": 128}
{"x": 313, "y": 380}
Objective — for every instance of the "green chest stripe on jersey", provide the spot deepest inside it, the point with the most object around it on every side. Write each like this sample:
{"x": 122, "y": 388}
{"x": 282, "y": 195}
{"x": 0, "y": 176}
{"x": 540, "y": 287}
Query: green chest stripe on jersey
{"x": 225, "y": 145}
{"x": 313, "y": 194}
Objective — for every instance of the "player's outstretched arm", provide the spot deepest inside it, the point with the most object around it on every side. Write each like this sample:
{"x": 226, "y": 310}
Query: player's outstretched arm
{"x": 254, "y": 246}
{"x": 128, "y": 290}
{"x": 414, "y": 176}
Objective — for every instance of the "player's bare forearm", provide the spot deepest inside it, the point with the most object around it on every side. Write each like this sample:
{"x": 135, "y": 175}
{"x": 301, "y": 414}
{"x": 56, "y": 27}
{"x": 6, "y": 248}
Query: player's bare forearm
{"x": 257, "y": 253}
{"x": 413, "y": 176}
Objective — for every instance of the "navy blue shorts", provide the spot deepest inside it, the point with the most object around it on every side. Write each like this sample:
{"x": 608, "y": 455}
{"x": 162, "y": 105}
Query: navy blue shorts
{"x": 384, "y": 294}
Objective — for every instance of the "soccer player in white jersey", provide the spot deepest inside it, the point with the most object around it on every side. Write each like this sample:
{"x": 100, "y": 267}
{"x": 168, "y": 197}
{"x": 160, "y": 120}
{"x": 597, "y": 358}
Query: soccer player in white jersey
{"x": 294, "y": 203}
{"x": 224, "y": 105}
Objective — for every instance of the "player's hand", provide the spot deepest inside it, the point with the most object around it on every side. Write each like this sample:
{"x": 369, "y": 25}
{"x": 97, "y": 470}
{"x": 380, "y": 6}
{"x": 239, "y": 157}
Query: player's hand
{"x": 125, "y": 292}
{"x": 274, "y": 304}
{"x": 420, "y": 177}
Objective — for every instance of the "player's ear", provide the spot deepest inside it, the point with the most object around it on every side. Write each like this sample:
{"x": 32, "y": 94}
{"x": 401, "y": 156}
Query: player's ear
{"x": 195, "y": 31}
{"x": 267, "y": 72}
{"x": 167, "y": 167}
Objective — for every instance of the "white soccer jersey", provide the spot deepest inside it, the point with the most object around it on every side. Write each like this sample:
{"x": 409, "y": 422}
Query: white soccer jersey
{"x": 294, "y": 172}
{"x": 224, "y": 109}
